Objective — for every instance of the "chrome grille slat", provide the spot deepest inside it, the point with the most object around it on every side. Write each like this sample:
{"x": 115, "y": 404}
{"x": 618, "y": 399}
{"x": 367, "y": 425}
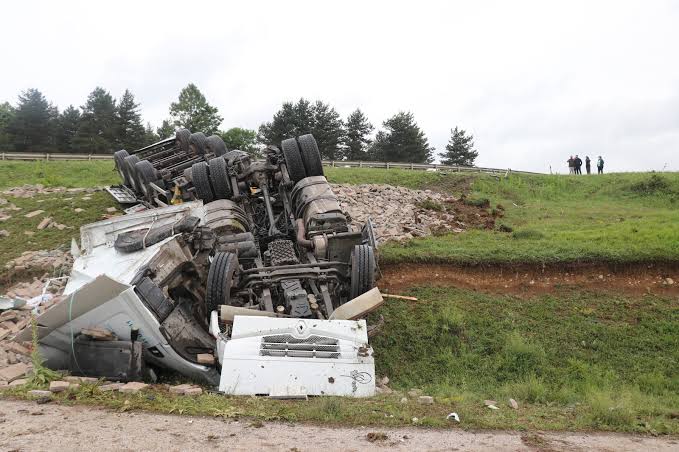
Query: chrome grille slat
{"x": 286, "y": 345}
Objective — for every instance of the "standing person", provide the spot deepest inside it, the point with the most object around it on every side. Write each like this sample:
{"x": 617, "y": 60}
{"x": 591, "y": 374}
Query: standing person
{"x": 571, "y": 165}
{"x": 588, "y": 164}
{"x": 578, "y": 165}
{"x": 600, "y": 165}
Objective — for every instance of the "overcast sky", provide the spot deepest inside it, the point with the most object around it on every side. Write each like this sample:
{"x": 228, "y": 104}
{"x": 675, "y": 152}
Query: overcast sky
{"x": 534, "y": 82}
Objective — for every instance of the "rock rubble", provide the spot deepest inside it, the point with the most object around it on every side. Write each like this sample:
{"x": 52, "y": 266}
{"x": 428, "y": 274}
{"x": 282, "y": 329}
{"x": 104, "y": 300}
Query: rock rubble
{"x": 397, "y": 213}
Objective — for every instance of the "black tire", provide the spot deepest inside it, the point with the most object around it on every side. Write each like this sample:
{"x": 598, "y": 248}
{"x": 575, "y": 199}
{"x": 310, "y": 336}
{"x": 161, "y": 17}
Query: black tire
{"x": 146, "y": 174}
{"x": 197, "y": 143}
{"x": 119, "y": 159}
{"x": 131, "y": 167}
{"x": 311, "y": 156}
{"x": 220, "y": 280}
{"x": 182, "y": 136}
{"x": 201, "y": 180}
{"x": 215, "y": 145}
{"x": 219, "y": 177}
{"x": 293, "y": 160}
{"x": 362, "y": 270}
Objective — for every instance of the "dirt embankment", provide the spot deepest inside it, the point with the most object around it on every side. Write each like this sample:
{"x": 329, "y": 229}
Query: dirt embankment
{"x": 528, "y": 280}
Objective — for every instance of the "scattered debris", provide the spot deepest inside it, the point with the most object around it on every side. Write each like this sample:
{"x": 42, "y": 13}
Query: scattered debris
{"x": 29, "y": 191}
{"x": 132, "y": 387}
{"x": 44, "y": 223}
{"x": 59, "y": 386}
{"x": 513, "y": 404}
{"x": 4, "y": 233}
{"x": 39, "y": 393}
{"x": 13, "y": 372}
{"x": 376, "y": 436}
{"x": 404, "y": 400}
{"x": 34, "y": 213}
{"x": 414, "y": 393}
{"x": 111, "y": 210}
{"x": 400, "y": 297}
{"x": 111, "y": 387}
{"x": 399, "y": 213}
{"x": 453, "y": 417}
{"x": 98, "y": 334}
{"x": 205, "y": 358}
{"x": 425, "y": 400}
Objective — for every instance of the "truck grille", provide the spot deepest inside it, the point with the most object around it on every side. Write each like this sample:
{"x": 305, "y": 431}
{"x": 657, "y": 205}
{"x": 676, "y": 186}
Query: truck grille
{"x": 282, "y": 345}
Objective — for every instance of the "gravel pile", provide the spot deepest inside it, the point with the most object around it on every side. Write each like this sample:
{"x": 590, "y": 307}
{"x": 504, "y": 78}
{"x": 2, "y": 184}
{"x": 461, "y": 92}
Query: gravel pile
{"x": 397, "y": 213}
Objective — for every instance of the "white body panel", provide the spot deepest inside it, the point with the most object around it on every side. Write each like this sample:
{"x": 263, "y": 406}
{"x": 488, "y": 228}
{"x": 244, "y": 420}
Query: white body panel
{"x": 312, "y": 357}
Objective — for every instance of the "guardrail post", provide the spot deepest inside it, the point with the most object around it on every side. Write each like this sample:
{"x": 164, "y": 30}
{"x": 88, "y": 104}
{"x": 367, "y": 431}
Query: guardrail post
{"x": 333, "y": 163}
{"x": 89, "y": 157}
{"x": 47, "y": 157}
{"x": 3, "y": 156}
{"x": 387, "y": 165}
{"x": 360, "y": 164}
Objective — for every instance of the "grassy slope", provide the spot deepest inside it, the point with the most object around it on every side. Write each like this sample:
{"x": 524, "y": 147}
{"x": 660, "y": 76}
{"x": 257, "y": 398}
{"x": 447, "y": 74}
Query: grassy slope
{"x": 610, "y": 218}
{"x": 578, "y": 360}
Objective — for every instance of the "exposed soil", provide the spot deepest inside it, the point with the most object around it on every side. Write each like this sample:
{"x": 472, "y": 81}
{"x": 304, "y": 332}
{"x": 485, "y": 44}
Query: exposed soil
{"x": 27, "y": 426}
{"x": 528, "y": 280}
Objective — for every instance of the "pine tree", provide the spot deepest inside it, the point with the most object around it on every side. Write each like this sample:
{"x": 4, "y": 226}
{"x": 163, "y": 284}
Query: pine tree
{"x": 327, "y": 128}
{"x": 32, "y": 127}
{"x": 68, "y": 123}
{"x": 401, "y": 141}
{"x": 460, "y": 149}
{"x": 6, "y": 117}
{"x": 150, "y": 135}
{"x": 319, "y": 119}
{"x": 166, "y": 129}
{"x": 98, "y": 123}
{"x": 130, "y": 133}
{"x": 357, "y": 136}
{"x": 193, "y": 112}
{"x": 284, "y": 125}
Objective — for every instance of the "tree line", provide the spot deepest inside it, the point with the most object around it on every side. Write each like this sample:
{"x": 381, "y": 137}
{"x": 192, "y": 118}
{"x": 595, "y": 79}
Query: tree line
{"x": 106, "y": 124}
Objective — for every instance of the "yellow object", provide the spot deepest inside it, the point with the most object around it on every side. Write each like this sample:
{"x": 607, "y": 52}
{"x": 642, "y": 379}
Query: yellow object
{"x": 177, "y": 198}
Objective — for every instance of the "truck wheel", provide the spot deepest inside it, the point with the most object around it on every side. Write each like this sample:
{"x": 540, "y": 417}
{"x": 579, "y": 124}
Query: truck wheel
{"x": 201, "y": 180}
{"x": 219, "y": 176}
{"x": 215, "y": 145}
{"x": 119, "y": 159}
{"x": 362, "y": 270}
{"x": 182, "y": 136}
{"x": 310, "y": 155}
{"x": 220, "y": 280}
{"x": 147, "y": 174}
{"x": 197, "y": 143}
{"x": 293, "y": 160}
{"x": 130, "y": 166}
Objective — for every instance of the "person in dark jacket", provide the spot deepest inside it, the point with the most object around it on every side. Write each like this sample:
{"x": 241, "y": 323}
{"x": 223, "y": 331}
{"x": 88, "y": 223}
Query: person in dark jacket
{"x": 571, "y": 165}
{"x": 578, "y": 165}
{"x": 588, "y": 164}
{"x": 600, "y": 165}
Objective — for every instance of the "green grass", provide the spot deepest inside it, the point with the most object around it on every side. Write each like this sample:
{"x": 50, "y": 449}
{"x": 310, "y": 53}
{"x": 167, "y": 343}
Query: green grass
{"x": 61, "y": 208}
{"x": 616, "y": 218}
{"x": 70, "y": 174}
{"x": 576, "y": 361}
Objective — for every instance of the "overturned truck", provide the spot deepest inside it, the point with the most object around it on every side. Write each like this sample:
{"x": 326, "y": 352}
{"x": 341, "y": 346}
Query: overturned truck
{"x": 262, "y": 271}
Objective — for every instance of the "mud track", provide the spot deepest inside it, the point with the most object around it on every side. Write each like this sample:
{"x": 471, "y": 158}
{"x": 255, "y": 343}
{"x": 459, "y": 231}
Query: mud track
{"x": 529, "y": 280}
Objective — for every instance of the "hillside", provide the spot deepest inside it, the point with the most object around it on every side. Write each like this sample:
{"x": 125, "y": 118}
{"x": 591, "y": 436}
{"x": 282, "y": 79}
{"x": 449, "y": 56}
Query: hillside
{"x": 582, "y": 331}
